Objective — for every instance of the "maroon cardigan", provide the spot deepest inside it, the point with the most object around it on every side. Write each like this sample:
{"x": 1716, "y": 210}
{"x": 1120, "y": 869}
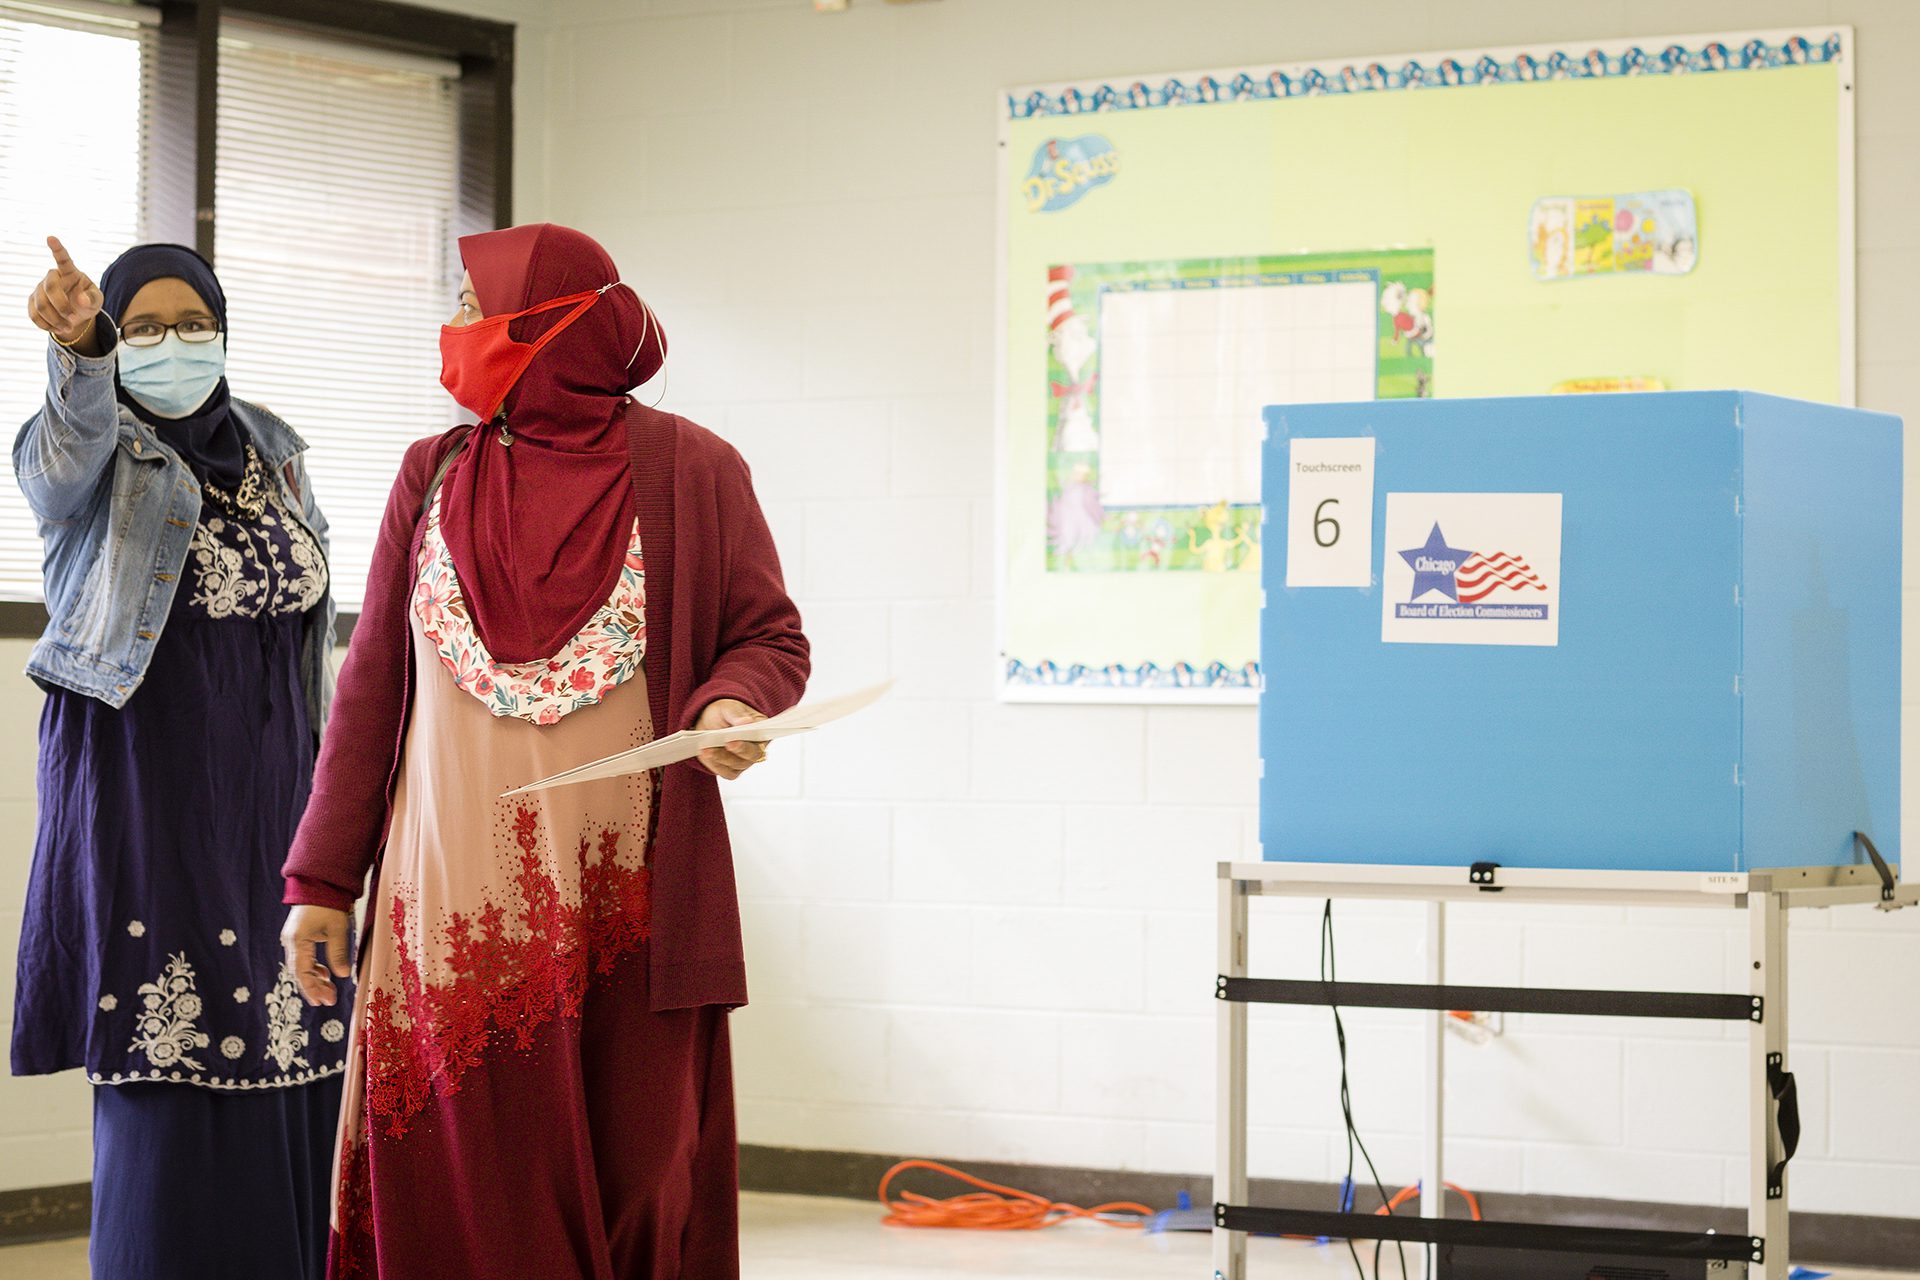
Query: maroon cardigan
{"x": 719, "y": 625}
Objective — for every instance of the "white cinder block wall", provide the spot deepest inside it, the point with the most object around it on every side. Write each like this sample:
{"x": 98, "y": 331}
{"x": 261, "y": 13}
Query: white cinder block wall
{"x": 984, "y": 932}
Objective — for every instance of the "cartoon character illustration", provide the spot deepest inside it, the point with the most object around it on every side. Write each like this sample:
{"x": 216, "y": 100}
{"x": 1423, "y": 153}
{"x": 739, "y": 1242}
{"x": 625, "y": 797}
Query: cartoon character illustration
{"x": 1412, "y": 312}
{"x": 1074, "y": 517}
{"x": 1633, "y": 231}
{"x": 1553, "y": 239}
{"x": 1156, "y": 545}
{"x": 1593, "y": 236}
{"x": 1216, "y": 553}
{"x": 1419, "y": 334}
{"x": 1073, "y": 346}
{"x": 1674, "y": 253}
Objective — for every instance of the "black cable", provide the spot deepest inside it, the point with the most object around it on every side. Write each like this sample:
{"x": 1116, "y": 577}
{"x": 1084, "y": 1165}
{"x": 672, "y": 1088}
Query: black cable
{"x": 1328, "y": 973}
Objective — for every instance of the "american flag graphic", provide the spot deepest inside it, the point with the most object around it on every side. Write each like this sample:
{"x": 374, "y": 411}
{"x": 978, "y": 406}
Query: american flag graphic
{"x": 1486, "y": 572}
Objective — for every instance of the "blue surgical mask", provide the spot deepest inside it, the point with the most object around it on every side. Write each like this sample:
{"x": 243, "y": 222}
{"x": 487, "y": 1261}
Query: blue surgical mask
{"x": 173, "y": 378}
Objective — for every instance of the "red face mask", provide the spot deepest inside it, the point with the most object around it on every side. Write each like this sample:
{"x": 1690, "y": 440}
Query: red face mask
{"x": 481, "y": 362}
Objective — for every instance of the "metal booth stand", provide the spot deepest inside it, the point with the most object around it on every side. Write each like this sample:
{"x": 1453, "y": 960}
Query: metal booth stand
{"x": 1773, "y": 1115}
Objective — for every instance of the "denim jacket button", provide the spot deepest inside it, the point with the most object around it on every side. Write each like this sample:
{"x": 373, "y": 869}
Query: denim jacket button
{"x": 136, "y": 446}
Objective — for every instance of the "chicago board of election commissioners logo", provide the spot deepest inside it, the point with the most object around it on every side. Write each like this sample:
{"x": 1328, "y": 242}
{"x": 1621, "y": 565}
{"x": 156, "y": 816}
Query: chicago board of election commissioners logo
{"x": 1493, "y": 584}
{"x": 1471, "y": 568}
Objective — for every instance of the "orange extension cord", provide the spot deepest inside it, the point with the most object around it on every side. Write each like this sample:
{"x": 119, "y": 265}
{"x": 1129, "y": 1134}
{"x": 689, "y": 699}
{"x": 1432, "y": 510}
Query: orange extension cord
{"x": 993, "y": 1207}
{"x": 998, "y": 1208}
{"x": 1408, "y": 1193}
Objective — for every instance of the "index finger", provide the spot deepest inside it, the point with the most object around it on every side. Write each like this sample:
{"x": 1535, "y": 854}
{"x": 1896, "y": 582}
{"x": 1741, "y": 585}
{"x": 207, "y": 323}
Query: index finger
{"x": 60, "y": 257}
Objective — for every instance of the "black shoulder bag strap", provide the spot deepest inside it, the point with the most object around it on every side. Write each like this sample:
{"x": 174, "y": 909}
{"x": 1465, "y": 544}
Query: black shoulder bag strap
{"x": 446, "y": 464}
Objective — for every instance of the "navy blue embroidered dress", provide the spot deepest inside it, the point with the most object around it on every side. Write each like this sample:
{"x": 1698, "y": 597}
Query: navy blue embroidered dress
{"x": 150, "y": 952}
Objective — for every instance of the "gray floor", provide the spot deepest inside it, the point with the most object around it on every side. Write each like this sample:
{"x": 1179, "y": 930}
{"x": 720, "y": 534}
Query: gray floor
{"x": 804, "y": 1238}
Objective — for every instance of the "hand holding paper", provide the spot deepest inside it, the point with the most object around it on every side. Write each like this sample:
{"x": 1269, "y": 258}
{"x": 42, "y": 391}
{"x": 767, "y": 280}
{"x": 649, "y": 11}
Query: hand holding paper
{"x": 737, "y": 755}
{"x": 688, "y": 743}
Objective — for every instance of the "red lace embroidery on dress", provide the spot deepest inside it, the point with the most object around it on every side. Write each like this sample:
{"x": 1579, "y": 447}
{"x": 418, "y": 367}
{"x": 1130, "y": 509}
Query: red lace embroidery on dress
{"x": 511, "y": 974}
{"x": 350, "y": 1248}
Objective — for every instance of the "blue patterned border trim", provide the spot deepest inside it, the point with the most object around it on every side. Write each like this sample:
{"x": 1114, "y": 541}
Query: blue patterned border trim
{"x": 1148, "y": 675}
{"x": 1376, "y": 77}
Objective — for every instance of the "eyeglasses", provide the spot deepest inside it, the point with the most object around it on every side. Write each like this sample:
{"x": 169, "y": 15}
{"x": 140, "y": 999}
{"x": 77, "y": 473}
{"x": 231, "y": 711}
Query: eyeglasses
{"x": 151, "y": 333}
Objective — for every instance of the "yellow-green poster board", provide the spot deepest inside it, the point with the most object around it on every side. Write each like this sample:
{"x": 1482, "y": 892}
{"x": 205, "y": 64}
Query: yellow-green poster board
{"x": 1179, "y": 248}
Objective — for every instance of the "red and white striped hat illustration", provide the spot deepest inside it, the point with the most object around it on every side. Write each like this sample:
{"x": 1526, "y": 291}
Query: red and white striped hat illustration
{"x": 1059, "y": 299}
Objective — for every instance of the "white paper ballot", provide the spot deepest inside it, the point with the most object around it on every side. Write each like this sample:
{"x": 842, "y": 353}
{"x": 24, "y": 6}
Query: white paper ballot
{"x": 688, "y": 743}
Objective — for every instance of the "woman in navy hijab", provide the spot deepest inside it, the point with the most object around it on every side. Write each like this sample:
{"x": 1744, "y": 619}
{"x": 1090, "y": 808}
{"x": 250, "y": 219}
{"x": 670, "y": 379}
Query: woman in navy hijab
{"x": 186, "y": 670}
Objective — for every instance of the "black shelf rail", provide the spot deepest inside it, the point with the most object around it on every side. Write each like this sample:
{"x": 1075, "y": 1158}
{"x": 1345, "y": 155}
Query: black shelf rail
{"x": 1706, "y": 1006}
{"x": 1543, "y": 1237}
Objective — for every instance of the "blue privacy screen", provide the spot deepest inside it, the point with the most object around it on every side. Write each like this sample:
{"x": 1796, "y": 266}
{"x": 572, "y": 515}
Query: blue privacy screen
{"x": 1643, "y": 632}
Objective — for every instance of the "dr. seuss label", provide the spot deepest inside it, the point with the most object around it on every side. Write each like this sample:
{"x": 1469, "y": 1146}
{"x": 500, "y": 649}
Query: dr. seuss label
{"x": 1064, "y": 170}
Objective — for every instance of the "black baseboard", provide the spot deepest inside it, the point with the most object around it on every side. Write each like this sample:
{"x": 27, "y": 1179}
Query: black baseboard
{"x": 1844, "y": 1239}
{"x": 45, "y": 1213}
{"x": 51, "y": 1213}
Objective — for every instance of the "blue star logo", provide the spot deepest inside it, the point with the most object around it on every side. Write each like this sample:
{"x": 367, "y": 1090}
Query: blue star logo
{"x": 1434, "y": 566}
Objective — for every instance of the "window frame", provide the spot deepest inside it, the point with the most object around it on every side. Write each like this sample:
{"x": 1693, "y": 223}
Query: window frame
{"x": 180, "y": 180}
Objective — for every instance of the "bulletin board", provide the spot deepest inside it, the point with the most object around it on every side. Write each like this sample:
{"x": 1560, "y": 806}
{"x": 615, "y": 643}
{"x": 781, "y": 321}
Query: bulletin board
{"x": 1178, "y": 251}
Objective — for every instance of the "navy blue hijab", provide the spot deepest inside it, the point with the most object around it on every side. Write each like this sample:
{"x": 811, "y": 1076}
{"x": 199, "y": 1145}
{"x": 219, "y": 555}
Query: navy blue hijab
{"x": 208, "y": 439}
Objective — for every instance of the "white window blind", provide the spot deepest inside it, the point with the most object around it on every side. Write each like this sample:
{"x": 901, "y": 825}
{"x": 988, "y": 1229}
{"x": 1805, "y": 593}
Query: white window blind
{"x": 335, "y": 197}
{"x": 70, "y": 133}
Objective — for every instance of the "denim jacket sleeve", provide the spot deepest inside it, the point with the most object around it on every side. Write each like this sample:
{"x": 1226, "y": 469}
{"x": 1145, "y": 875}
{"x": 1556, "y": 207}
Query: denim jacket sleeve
{"x": 327, "y": 633}
{"x": 63, "y": 451}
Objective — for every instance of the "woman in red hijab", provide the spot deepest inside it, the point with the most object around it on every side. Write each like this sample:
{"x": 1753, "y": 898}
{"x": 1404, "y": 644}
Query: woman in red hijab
{"x": 538, "y": 1076}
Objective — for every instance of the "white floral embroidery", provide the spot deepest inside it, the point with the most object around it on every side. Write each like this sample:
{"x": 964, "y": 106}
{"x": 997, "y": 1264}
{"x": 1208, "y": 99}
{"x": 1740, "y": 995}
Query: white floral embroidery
{"x": 109, "y": 1003}
{"x": 285, "y": 1036}
{"x": 241, "y": 995}
{"x": 331, "y": 1031}
{"x": 165, "y": 1032}
{"x": 239, "y": 570}
{"x": 228, "y": 937}
{"x": 222, "y": 585}
{"x": 301, "y": 591}
{"x": 137, "y": 929}
{"x": 233, "y": 1046}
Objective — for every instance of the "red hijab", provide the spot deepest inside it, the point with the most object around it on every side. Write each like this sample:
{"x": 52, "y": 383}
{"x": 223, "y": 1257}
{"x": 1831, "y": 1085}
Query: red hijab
{"x": 538, "y": 529}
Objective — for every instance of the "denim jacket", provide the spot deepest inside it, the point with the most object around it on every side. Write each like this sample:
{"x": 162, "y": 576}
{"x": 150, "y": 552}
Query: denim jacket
{"x": 117, "y": 509}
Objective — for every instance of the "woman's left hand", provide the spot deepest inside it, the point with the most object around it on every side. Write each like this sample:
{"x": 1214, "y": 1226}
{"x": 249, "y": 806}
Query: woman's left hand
{"x": 735, "y": 758}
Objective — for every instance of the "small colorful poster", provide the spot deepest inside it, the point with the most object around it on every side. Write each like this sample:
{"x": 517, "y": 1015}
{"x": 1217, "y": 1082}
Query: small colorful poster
{"x": 1471, "y": 568}
{"x": 1655, "y": 232}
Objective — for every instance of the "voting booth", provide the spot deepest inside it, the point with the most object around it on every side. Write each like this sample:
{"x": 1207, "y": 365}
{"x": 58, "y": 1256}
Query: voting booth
{"x": 1636, "y": 632}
